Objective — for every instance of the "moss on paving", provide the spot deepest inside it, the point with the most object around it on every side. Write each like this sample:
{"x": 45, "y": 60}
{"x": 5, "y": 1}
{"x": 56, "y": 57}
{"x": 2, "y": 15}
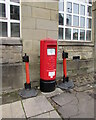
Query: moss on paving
{"x": 10, "y": 97}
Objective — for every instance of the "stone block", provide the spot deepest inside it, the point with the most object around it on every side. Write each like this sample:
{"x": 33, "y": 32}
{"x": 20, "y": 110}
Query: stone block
{"x": 28, "y": 23}
{"x": 34, "y": 70}
{"x": 32, "y": 48}
{"x": 90, "y": 70}
{"x": 26, "y": 11}
{"x": 52, "y": 5}
{"x": 94, "y": 6}
{"x": 10, "y": 57}
{"x": 0, "y": 54}
{"x": 0, "y": 112}
{"x": 36, "y": 47}
{"x": 86, "y": 63}
{"x": 73, "y": 64}
{"x": 40, "y": 105}
{"x": 1, "y": 61}
{"x": 11, "y": 54}
{"x": 17, "y": 58}
{"x": 54, "y": 15}
{"x": 28, "y": 3}
{"x": 52, "y": 34}
{"x": 39, "y": 4}
{"x": 17, "y": 49}
{"x": 78, "y": 48}
{"x": 33, "y": 3}
{"x": 12, "y": 76}
{"x": 29, "y": 34}
{"x": 59, "y": 71}
{"x": 27, "y": 46}
{"x": 46, "y": 24}
{"x": 40, "y": 13}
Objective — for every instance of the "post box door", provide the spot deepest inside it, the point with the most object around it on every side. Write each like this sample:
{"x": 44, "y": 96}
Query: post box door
{"x": 51, "y": 62}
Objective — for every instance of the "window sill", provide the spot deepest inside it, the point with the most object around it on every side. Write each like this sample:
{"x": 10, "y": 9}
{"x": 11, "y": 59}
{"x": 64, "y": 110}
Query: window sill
{"x": 75, "y": 43}
{"x": 10, "y": 41}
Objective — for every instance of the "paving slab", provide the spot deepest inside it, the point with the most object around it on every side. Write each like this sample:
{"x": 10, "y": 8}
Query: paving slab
{"x": 83, "y": 96}
{"x": 86, "y": 106}
{"x": 68, "y": 110}
{"x": 51, "y": 114}
{"x": 80, "y": 107}
{"x": 13, "y": 110}
{"x": 64, "y": 98}
{"x": 84, "y": 115}
{"x": 0, "y": 112}
{"x": 54, "y": 93}
{"x": 37, "y": 105}
{"x": 83, "y": 88}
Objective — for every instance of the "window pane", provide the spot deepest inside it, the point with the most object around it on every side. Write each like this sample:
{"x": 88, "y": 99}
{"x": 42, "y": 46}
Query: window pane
{"x": 82, "y": 22}
{"x": 61, "y": 19}
{"x": 69, "y": 7}
{"x": 89, "y": 1}
{"x": 15, "y": 30}
{"x": 67, "y": 33}
{"x": 69, "y": 20}
{"x": 14, "y": 12}
{"x": 75, "y": 21}
{"x": 2, "y": 10}
{"x": 60, "y": 33}
{"x": 89, "y": 11}
{"x": 88, "y": 35}
{"x": 3, "y": 29}
{"x": 75, "y": 8}
{"x": 82, "y": 34}
{"x": 17, "y": 1}
{"x": 89, "y": 22}
{"x": 61, "y": 5}
{"x": 75, "y": 34}
{"x": 82, "y": 10}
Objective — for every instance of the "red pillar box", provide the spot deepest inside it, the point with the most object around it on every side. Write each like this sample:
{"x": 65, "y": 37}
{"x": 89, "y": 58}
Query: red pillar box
{"x": 48, "y": 60}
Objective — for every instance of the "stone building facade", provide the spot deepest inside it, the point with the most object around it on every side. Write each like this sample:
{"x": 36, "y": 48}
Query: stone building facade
{"x": 94, "y": 34}
{"x": 40, "y": 20}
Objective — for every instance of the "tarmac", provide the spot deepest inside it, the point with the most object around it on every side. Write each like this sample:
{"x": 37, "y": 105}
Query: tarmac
{"x": 79, "y": 102}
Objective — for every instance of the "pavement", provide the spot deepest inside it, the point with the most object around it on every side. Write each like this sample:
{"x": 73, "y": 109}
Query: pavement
{"x": 75, "y": 103}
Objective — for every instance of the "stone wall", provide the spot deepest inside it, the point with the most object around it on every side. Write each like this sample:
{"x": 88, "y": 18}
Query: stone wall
{"x": 39, "y": 21}
{"x": 11, "y": 63}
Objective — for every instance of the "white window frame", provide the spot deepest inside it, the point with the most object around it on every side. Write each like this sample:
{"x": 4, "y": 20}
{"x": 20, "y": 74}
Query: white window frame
{"x": 7, "y": 18}
{"x": 74, "y": 27}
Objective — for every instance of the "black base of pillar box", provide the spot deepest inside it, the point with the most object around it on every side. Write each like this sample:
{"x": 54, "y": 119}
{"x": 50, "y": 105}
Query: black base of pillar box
{"x": 47, "y": 86}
